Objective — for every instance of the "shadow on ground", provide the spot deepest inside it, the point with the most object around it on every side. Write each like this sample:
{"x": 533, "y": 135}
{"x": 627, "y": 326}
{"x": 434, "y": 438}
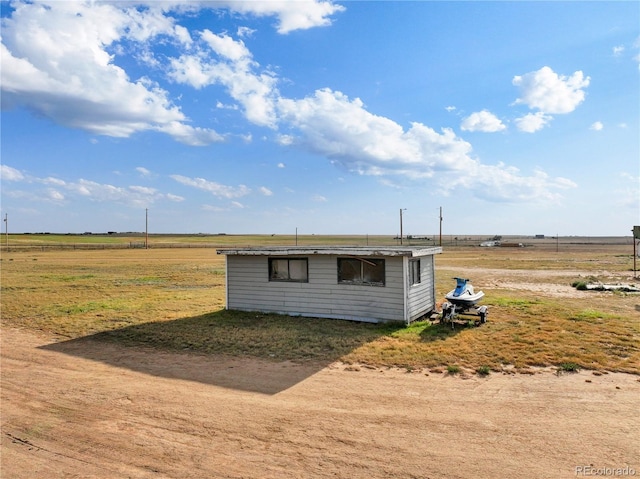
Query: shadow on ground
{"x": 265, "y": 353}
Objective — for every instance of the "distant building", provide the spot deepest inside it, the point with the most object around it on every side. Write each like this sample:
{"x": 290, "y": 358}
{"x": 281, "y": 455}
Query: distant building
{"x": 354, "y": 283}
{"x": 539, "y": 236}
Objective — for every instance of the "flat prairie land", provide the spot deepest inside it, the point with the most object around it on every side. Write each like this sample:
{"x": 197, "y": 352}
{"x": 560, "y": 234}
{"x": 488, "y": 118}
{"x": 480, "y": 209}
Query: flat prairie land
{"x": 124, "y": 363}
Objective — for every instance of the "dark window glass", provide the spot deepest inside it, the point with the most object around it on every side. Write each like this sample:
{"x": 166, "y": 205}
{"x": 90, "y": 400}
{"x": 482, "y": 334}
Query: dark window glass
{"x": 289, "y": 269}
{"x": 414, "y": 271}
{"x": 366, "y": 271}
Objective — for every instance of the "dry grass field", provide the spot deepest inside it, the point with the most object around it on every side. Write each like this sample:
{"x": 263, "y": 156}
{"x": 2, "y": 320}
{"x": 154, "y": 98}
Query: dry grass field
{"x": 173, "y": 298}
{"x": 122, "y": 363}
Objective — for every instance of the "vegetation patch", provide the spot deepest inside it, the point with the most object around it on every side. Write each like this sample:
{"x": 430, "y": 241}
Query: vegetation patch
{"x": 174, "y": 299}
{"x": 568, "y": 368}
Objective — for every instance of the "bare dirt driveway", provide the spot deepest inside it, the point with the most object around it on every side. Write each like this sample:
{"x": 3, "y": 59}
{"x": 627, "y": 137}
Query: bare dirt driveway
{"x": 89, "y": 409}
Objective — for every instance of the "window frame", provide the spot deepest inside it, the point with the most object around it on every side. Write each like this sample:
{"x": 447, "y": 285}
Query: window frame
{"x": 415, "y": 271}
{"x": 288, "y": 279}
{"x": 362, "y": 271}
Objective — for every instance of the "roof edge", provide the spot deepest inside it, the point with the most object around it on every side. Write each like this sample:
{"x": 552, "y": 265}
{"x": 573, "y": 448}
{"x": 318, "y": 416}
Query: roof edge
{"x": 411, "y": 251}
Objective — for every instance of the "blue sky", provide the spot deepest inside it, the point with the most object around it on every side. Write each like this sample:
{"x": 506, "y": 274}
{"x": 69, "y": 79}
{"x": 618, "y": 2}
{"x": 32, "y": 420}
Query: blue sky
{"x": 328, "y": 117}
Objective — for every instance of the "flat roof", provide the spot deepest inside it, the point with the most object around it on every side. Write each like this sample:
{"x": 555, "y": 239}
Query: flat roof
{"x": 411, "y": 251}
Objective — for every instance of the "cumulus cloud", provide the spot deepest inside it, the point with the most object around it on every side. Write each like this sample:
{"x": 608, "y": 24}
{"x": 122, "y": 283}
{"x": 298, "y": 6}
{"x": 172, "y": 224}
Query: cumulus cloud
{"x": 265, "y": 191}
{"x": 596, "y": 126}
{"x": 227, "y": 62}
{"x": 532, "y": 122}
{"x": 59, "y": 60}
{"x": 213, "y": 187}
{"x": 332, "y": 124}
{"x": 548, "y": 92}
{"x": 484, "y": 121}
{"x": 56, "y": 62}
{"x": 298, "y": 15}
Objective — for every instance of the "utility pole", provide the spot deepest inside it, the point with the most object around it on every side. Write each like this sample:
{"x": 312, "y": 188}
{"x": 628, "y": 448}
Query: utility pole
{"x": 146, "y": 228}
{"x": 636, "y": 236}
{"x": 441, "y": 226}
{"x": 401, "y": 210}
{"x": 6, "y": 228}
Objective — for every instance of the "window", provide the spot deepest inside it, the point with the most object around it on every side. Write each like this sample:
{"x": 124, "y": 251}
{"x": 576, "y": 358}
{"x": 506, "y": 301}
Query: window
{"x": 289, "y": 269}
{"x": 364, "y": 271}
{"x": 414, "y": 271}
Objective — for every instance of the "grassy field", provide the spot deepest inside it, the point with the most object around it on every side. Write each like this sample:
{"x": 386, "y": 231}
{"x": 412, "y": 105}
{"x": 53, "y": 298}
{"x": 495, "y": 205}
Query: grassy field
{"x": 174, "y": 298}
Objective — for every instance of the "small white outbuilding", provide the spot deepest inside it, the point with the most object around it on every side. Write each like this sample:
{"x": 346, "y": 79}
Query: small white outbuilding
{"x": 373, "y": 284}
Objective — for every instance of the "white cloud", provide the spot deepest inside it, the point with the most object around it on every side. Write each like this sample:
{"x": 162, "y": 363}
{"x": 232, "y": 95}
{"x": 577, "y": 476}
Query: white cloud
{"x": 618, "y": 50}
{"x": 503, "y": 183}
{"x": 55, "y": 61}
{"x": 212, "y": 187}
{"x": 183, "y": 35}
{"x": 8, "y": 173}
{"x": 319, "y": 199}
{"x": 135, "y": 196}
{"x": 225, "y": 46}
{"x": 549, "y": 92}
{"x": 245, "y": 32}
{"x": 285, "y": 140}
{"x": 450, "y": 108}
{"x": 265, "y": 191}
{"x": 54, "y": 195}
{"x": 189, "y": 135}
{"x": 58, "y": 60}
{"x": 281, "y": 165}
{"x": 52, "y": 181}
{"x": 176, "y": 198}
{"x": 532, "y": 122}
{"x": 298, "y": 15}
{"x": 222, "y": 60}
{"x": 484, "y": 121}
{"x": 342, "y": 129}
{"x": 596, "y": 126}
{"x": 143, "y": 171}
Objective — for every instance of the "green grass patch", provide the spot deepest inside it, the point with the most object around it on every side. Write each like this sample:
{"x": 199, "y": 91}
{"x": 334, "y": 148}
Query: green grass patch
{"x": 569, "y": 367}
{"x": 453, "y": 369}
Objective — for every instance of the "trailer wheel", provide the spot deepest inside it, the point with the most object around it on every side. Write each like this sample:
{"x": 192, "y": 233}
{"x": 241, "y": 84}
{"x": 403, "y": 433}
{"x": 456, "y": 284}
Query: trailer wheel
{"x": 446, "y": 311}
{"x": 483, "y": 317}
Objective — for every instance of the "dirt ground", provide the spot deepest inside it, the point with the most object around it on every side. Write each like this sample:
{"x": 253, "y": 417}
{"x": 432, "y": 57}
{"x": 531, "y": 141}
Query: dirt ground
{"x": 88, "y": 409}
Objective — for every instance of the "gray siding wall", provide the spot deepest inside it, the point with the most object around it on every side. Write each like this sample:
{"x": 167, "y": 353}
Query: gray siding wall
{"x": 249, "y": 289}
{"x": 421, "y": 296}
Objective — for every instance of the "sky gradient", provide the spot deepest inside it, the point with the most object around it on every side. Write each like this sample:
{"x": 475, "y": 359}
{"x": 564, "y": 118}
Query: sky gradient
{"x": 328, "y": 117}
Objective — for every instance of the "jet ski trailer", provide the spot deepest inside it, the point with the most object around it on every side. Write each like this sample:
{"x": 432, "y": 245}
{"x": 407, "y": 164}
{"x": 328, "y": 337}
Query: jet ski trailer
{"x": 463, "y": 301}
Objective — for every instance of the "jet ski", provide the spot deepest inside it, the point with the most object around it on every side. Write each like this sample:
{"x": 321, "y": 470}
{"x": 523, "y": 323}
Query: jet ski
{"x": 463, "y": 294}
